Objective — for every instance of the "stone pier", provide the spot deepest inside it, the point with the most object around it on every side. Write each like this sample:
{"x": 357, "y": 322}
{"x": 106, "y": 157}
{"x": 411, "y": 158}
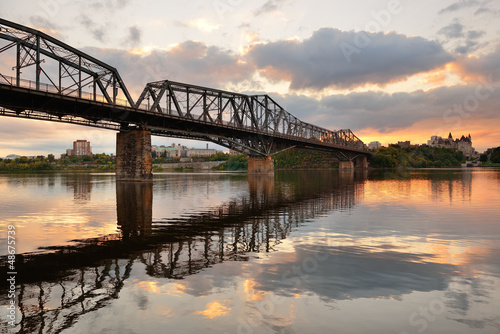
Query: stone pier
{"x": 358, "y": 162}
{"x": 361, "y": 162}
{"x": 133, "y": 156}
{"x": 260, "y": 165}
{"x": 345, "y": 165}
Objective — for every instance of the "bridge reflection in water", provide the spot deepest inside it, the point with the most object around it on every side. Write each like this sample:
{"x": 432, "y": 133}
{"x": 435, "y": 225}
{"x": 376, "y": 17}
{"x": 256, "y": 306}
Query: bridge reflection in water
{"x": 61, "y": 286}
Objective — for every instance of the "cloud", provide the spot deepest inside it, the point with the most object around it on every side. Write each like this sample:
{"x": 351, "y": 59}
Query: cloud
{"x": 475, "y": 68}
{"x": 466, "y": 48}
{"x": 454, "y": 30}
{"x": 269, "y": 6}
{"x": 469, "y": 38}
{"x": 134, "y": 37}
{"x": 475, "y": 34}
{"x": 321, "y": 61}
{"x": 386, "y": 112}
{"x": 482, "y": 11}
{"x": 40, "y": 22}
{"x": 203, "y": 25}
{"x": 97, "y": 31}
{"x": 459, "y": 5}
{"x": 191, "y": 62}
{"x": 108, "y": 5}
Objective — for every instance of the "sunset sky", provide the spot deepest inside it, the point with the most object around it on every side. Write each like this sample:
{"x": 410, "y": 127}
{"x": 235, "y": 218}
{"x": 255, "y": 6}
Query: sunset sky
{"x": 387, "y": 69}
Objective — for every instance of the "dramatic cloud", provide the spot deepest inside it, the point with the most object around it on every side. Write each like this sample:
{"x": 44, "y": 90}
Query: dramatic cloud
{"x": 385, "y": 112}
{"x": 191, "y": 62}
{"x": 334, "y": 58}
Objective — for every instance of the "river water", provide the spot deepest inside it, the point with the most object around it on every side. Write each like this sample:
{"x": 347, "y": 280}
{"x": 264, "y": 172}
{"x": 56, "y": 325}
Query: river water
{"x": 301, "y": 252}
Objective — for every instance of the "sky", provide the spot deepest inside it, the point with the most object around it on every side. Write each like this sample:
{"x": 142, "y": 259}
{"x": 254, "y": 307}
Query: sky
{"x": 389, "y": 70}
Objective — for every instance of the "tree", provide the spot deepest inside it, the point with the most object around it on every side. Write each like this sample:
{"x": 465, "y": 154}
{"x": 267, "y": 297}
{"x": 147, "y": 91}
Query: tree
{"x": 495, "y": 155}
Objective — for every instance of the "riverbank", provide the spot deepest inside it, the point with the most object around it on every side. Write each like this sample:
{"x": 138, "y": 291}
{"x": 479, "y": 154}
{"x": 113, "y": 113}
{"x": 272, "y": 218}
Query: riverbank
{"x": 206, "y": 165}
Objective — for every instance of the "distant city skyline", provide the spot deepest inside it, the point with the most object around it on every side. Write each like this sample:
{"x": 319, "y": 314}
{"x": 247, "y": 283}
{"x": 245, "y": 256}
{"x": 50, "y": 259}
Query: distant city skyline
{"x": 388, "y": 70}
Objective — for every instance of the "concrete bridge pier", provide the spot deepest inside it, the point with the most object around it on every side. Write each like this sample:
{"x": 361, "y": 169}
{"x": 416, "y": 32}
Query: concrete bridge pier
{"x": 133, "y": 155}
{"x": 260, "y": 165}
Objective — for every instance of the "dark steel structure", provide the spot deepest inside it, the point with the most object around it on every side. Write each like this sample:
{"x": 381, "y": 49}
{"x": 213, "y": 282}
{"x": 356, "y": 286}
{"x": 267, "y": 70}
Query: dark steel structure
{"x": 55, "y": 82}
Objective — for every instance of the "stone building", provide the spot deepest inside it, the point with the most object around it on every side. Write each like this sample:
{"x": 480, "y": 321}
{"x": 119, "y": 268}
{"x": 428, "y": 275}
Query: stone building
{"x": 463, "y": 144}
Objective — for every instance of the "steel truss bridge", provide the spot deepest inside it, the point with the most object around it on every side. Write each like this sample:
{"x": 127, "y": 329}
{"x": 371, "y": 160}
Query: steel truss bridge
{"x": 53, "y": 81}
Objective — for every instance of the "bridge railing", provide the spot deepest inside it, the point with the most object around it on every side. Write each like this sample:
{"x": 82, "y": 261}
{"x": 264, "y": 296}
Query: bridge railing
{"x": 66, "y": 91}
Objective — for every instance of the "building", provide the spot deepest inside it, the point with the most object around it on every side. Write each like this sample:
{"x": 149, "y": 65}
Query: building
{"x": 374, "y": 145}
{"x": 172, "y": 151}
{"x": 404, "y": 144}
{"x": 81, "y": 147}
{"x": 200, "y": 152}
{"x": 463, "y": 144}
{"x": 178, "y": 151}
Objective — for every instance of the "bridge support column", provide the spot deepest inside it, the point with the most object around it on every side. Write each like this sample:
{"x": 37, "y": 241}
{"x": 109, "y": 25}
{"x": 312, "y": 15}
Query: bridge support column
{"x": 345, "y": 165}
{"x": 361, "y": 162}
{"x": 133, "y": 156}
{"x": 260, "y": 165}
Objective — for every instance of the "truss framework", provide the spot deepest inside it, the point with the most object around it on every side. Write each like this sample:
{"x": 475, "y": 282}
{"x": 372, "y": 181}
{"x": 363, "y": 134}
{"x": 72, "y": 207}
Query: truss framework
{"x": 69, "y": 71}
{"x": 257, "y": 114}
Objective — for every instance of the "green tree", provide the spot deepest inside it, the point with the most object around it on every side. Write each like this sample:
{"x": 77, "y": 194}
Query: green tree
{"x": 495, "y": 155}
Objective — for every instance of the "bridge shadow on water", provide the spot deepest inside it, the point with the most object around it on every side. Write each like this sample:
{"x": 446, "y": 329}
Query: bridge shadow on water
{"x": 61, "y": 284}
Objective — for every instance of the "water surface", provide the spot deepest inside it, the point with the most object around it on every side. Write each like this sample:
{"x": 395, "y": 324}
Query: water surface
{"x": 316, "y": 252}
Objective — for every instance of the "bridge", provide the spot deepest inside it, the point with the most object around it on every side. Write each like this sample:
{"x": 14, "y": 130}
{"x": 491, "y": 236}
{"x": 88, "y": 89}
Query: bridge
{"x": 53, "y": 81}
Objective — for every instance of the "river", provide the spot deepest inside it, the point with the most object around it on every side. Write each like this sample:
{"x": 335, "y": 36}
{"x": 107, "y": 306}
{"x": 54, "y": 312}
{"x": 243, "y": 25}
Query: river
{"x": 301, "y": 252}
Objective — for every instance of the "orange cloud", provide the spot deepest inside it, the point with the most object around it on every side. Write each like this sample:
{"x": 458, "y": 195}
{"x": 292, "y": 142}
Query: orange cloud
{"x": 436, "y": 77}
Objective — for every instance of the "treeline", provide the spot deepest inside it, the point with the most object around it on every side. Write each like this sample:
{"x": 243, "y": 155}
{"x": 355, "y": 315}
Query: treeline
{"x": 290, "y": 159}
{"x": 492, "y": 155}
{"x": 304, "y": 159}
{"x": 41, "y": 163}
{"x": 233, "y": 162}
{"x": 219, "y": 156}
{"x": 418, "y": 157}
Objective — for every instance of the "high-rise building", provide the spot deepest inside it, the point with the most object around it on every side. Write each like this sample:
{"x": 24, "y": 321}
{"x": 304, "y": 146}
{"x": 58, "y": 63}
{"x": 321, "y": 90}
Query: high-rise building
{"x": 81, "y": 147}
